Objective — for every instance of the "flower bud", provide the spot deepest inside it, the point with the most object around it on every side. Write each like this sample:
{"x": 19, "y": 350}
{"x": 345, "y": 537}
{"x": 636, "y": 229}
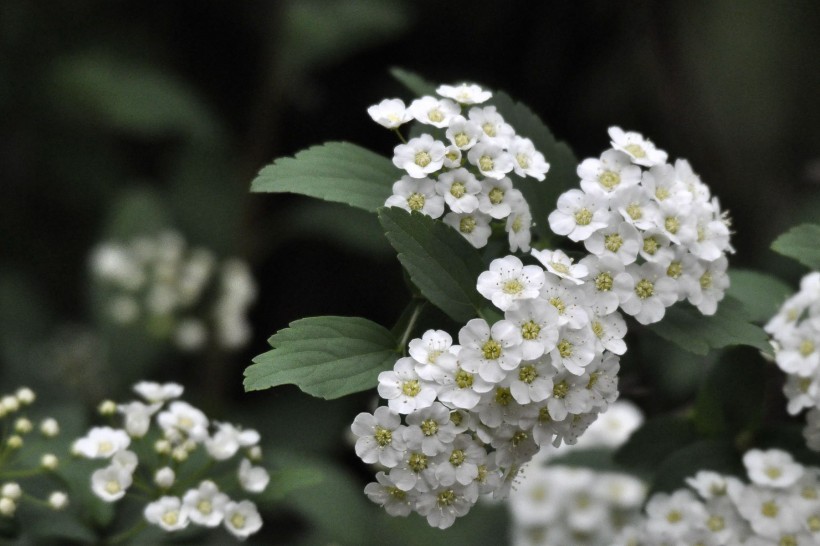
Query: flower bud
{"x": 49, "y": 427}
{"x": 7, "y": 506}
{"x": 11, "y": 490}
{"x": 14, "y": 442}
{"x": 23, "y": 425}
{"x": 25, "y": 396}
{"x": 10, "y": 404}
{"x": 58, "y": 500}
{"x": 49, "y": 461}
{"x": 107, "y": 407}
{"x": 164, "y": 477}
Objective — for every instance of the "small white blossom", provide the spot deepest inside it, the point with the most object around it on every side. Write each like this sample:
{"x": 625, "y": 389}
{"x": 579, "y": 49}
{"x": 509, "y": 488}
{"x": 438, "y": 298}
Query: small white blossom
{"x": 242, "y": 519}
{"x": 464, "y": 93}
{"x": 168, "y": 513}
{"x": 205, "y": 505}
{"x": 390, "y": 113}
{"x": 252, "y": 478}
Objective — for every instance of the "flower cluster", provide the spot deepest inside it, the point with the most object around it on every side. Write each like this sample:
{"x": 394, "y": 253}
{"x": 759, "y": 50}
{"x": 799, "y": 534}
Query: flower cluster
{"x": 477, "y": 410}
{"x": 463, "y": 164}
{"x": 795, "y": 330}
{"x": 780, "y": 506}
{"x": 16, "y": 461}
{"x": 186, "y": 445}
{"x": 555, "y": 504}
{"x": 652, "y": 227}
{"x": 176, "y": 292}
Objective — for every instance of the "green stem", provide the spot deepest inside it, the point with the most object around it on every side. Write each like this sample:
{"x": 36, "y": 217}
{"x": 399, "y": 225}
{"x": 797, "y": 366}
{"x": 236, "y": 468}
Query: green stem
{"x": 411, "y": 324}
{"x": 401, "y": 136}
{"x": 12, "y": 474}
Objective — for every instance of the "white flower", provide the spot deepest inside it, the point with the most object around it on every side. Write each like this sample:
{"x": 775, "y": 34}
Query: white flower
{"x": 101, "y": 442}
{"x": 569, "y": 396}
{"x": 711, "y": 286}
{"x": 168, "y": 513}
{"x": 461, "y": 388}
{"x": 610, "y": 331}
{"x": 574, "y": 351}
{"x": 495, "y": 197}
{"x": 389, "y": 113}
{"x": 561, "y": 265}
{"x": 125, "y": 459}
{"x": 430, "y": 429}
{"x": 111, "y": 482}
{"x": 518, "y": 226}
{"x": 419, "y": 195}
{"x": 227, "y": 440}
{"x": 641, "y": 150}
{"x": 772, "y": 468}
{"x": 490, "y": 352}
{"x": 138, "y": 417}
{"x": 242, "y": 519}
{"x": 459, "y": 188}
{"x": 403, "y": 389}
{"x": 611, "y": 173}
{"x": 578, "y": 215}
{"x": 420, "y": 156}
{"x": 464, "y": 93}
{"x": 538, "y": 321}
{"x": 385, "y": 493}
{"x": 205, "y": 505}
{"x": 800, "y": 350}
{"x": 463, "y": 458}
{"x": 58, "y": 500}
{"x": 156, "y": 392}
{"x": 637, "y": 207}
{"x": 473, "y": 226}
{"x": 670, "y": 516}
{"x": 527, "y": 160}
{"x": 509, "y": 281}
{"x": 614, "y": 426}
{"x": 379, "y": 437}
{"x": 165, "y": 477}
{"x": 252, "y": 478}
{"x": 433, "y": 111}
{"x": 181, "y": 417}
{"x": 619, "y": 238}
{"x": 496, "y": 130}
{"x": 190, "y": 334}
{"x": 434, "y": 344}
{"x": 443, "y": 505}
{"x": 768, "y": 511}
{"x": 491, "y": 159}
{"x": 533, "y": 383}
{"x": 463, "y": 133}
{"x": 649, "y": 296}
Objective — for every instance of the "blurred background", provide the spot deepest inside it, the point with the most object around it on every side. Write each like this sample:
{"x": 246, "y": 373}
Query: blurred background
{"x": 124, "y": 118}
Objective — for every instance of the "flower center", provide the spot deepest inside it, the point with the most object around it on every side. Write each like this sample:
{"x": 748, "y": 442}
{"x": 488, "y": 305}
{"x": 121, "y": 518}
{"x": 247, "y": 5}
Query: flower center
{"x": 457, "y": 457}
{"x": 105, "y": 447}
{"x": 715, "y": 523}
{"x": 496, "y": 195}
{"x": 383, "y": 436}
{"x": 204, "y": 507}
{"x": 502, "y": 396}
{"x": 806, "y": 347}
{"x": 634, "y": 211}
{"x": 609, "y": 179}
{"x": 593, "y": 379}
{"x": 466, "y": 224}
{"x": 489, "y": 129}
{"x": 636, "y": 150}
{"x": 560, "y": 390}
{"x": 415, "y": 201}
{"x": 517, "y": 224}
{"x": 462, "y": 139}
{"x": 457, "y": 189}
{"x": 565, "y": 348}
{"x": 411, "y": 388}
{"x": 238, "y": 521}
{"x": 544, "y": 415}
{"x": 583, "y": 217}
{"x": 464, "y": 380}
{"x": 518, "y": 437}
{"x": 423, "y": 159}
{"x": 527, "y": 374}
{"x": 435, "y": 115}
{"x": 661, "y": 193}
{"x": 113, "y": 487}
{"x": 613, "y": 242}
{"x": 675, "y": 270}
{"x": 773, "y": 472}
{"x": 769, "y": 509}
{"x": 172, "y": 517}
{"x": 671, "y": 224}
{"x": 530, "y": 330}
{"x": 674, "y": 516}
{"x": 559, "y": 304}
{"x": 417, "y": 462}
{"x": 396, "y": 493}
{"x": 513, "y": 286}
{"x": 814, "y": 523}
{"x": 598, "y": 329}
{"x": 644, "y": 289}
{"x": 446, "y": 498}
{"x": 523, "y": 161}
{"x": 560, "y": 267}
{"x": 706, "y": 280}
{"x": 491, "y": 349}
{"x": 603, "y": 281}
{"x": 456, "y": 418}
{"x": 429, "y": 427}
{"x": 485, "y": 163}
{"x": 650, "y": 245}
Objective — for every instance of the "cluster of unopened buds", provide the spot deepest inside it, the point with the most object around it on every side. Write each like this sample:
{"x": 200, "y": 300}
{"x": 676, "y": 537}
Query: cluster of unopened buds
{"x": 186, "y": 447}
{"x": 781, "y": 506}
{"x": 462, "y": 164}
{"x": 795, "y": 331}
{"x": 17, "y": 463}
{"x": 557, "y": 504}
{"x": 477, "y": 410}
{"x": 175, "y": 292}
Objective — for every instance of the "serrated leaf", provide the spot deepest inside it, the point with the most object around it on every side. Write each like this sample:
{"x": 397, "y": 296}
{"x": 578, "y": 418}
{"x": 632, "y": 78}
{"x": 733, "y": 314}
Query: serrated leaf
{"x": 440, "y": 262}
{"x": 413, "y": 82}
{"x": 542, "y": 197}
{"x": 687, "y": 327}
{"x": 335, "y": 171}
{"x": 327, "y": 357}
{"x": 655, "y": 441}
{"x": 760, "y": 294}
{"x": 801, "y": 243}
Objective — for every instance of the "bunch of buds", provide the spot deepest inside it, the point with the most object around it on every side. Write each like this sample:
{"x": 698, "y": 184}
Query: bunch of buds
{"x": 167, "y": 449}
{"x": 175, "y": 292}
{"x": 462, "y": 163}
{"x": 18, "y": 462}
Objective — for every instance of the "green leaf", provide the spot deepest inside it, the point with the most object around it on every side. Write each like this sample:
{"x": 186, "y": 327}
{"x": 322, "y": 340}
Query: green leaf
{"x": 413, "y": 82}
{"x": 686, "y": 326}
{"x": 440, "y": 262}
{"x": 334, "y": 171}
{"x": 715, "y": 455}
{"x": 290, "y": 475}
{"x": 542, "y": 197}
{"x": 655, "y": 441}
{"x": 596, "y": 458}
{"x": 137, "y": 212}
{"x": 728, "y": 402}
{"x": 801, "y": 243}
{"x": 761, "y": 294}
{"x": 327, "y": 357}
